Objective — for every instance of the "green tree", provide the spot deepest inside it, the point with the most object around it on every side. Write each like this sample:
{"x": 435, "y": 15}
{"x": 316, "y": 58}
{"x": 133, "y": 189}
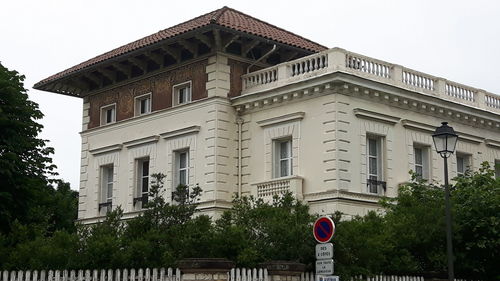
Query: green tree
{"x": 476, "y": 206}
{"x": 254, "y": 231}
{"x": 25, "y": 161}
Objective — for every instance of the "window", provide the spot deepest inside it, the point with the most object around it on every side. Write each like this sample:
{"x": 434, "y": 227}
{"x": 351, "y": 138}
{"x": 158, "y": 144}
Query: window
{"x": 181, "y": 167}
{"x": 142, "y": 182}
{"x": 283, "y": 158}
{"x": 421, "y": 155}
{"x": 143, "y": 105}
{"x": 374, "y": 164}
{"x": 463, "y": 164}
{"x": 182, "y": 93}
{"x": 108, "y": 114}
{"x": 106, "y": 188}
{"x": 497, "y": 169}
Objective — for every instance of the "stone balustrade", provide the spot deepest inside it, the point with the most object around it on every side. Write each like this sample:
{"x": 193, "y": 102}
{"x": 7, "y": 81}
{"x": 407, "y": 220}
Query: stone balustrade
{"x": 340, "y": 60}
{"x": 276, "y": 187}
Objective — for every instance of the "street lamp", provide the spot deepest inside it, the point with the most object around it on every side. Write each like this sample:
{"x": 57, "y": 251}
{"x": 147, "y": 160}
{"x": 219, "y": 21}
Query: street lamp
{"x": 445, "y": 140}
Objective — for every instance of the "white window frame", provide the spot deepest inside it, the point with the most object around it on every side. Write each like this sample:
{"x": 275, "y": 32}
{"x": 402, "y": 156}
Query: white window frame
{"x": 106, "y": 186}
{"x": 138, "y": 104}
{"x": 424, "y": 164}
{"x": 282, "y": 162}
{"x": 104, "y": 115}
{"x": 141, "y": 194}
{"x": 176, "y": 90}
{"x": 378, "y": 156}
{"x": 178, "y": 169}
{"x": 466, "y": 165}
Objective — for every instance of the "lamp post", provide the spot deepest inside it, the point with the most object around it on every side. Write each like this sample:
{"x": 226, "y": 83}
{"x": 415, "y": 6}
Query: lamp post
{"x": 445, "y": 140}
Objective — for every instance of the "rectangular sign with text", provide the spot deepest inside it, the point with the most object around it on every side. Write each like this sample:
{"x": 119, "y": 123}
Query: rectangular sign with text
{"x": 324, "y": 251}
{"x": 327, "y": 278}
{"x": 324, "y": 267}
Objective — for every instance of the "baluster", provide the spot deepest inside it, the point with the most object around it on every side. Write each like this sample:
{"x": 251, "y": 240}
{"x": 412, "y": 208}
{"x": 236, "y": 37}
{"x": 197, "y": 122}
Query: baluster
{"x": 27, "y": 275}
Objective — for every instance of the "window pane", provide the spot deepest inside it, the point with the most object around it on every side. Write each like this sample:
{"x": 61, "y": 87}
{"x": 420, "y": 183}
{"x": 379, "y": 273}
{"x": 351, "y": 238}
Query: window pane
{"x": 285, "y": 149}
{"x": 145, "y": 168}
{"x": 109, "y": 194}
{"x": 372, "y": 147}
{"x": 183, "y": 177}
{"x": 144, "y": 106}
{"x": 109, "y": 116}
{"x": 419, "y": 170}
{"x": 145, "y": 184}
{"x": 182, "y": 160}
{"x": 284, "y": 168}
{"x": 109, "y": 174}
{"x": 460, "y": 164}
{"x": 418, "y": 156}
{"x": 373, "y": 166}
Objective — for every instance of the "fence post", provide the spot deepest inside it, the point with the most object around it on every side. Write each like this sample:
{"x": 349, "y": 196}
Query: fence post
{"x": 284, "y": 270}
{"x": 205, "y": 269}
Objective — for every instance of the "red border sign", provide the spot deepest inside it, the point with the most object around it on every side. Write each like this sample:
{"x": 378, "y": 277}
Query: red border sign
{"x": 323, "y": 229}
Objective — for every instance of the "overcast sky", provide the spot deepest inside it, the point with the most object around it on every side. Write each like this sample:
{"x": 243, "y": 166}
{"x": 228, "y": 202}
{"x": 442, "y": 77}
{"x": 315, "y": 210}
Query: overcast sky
{"x": 457, "y": 40}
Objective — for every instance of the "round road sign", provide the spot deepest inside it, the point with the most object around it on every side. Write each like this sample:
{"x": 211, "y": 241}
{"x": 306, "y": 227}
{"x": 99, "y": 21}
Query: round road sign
{"x": 323, "y": 229}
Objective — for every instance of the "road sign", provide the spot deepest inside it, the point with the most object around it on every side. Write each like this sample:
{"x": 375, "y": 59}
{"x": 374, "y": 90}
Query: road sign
{"x": 324, "y": 267}
{"x": 323, "y": 230}
{"x": 324, "y": 251}
{"x": 327, "y": 278}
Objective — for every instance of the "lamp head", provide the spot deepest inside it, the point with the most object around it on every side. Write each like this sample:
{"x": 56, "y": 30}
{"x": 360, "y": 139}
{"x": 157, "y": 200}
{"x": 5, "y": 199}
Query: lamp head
{"x": 445, "y": 140}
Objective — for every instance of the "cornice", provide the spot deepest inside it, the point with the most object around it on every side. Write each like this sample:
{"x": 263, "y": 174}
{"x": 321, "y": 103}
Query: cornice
{"x": 493, "y": 143}
{"x": 180, "y": 132}
{"x": 141, "y": 141}
{"x": 106, "y": 149}
{"x": 372, "y": 115}
{"x": 280, "y": 119}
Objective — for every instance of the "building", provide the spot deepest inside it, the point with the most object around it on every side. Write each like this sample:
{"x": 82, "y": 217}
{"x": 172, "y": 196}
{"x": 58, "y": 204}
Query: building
{"x": 242, "y": 107}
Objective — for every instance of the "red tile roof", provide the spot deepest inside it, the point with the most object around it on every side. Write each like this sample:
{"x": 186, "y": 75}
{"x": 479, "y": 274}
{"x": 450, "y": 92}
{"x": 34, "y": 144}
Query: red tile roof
{"x": 224, "y": 16}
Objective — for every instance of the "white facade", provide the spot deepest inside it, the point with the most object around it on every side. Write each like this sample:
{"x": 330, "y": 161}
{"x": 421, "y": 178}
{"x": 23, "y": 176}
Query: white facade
{"x": 321, "y": 127}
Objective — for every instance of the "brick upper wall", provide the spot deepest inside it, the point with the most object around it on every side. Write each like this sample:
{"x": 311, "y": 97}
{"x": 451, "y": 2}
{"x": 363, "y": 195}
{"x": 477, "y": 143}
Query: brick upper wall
{"x": 160, "y": 85}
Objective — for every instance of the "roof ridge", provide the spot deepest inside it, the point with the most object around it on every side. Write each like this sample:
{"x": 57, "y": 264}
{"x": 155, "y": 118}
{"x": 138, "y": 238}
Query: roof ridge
{"x": 218, "y": 13}
{"x": 264, "y": 22}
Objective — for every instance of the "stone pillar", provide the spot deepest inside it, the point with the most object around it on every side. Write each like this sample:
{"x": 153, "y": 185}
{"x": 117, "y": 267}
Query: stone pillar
{"x": 283, "y": 270}
{"x": 218, "y": 72}
{"x": 205, "y": 269}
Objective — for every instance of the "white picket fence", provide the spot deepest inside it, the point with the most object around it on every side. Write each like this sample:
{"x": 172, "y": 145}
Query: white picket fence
{"x": 165, "y": 274}
{"x": 392, "y": 278}
{"x": 147, "y": 274}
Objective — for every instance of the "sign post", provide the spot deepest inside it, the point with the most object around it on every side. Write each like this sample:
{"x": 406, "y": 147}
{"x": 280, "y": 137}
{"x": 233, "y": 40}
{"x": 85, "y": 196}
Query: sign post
{"x": 323, "y": 231}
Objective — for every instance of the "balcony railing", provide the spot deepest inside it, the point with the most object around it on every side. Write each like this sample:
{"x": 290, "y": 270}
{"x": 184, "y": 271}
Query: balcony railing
{"x": 277, "y": 187}
{"x": 340, "y": 60}
{"x": 376, "y": 186}
{"x": 106, "y": 205}
{"x": 143, "y": 200}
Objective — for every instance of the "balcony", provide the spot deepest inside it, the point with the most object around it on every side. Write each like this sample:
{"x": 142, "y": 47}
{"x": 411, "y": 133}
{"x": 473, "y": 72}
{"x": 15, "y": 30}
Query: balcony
{"x": 376, "y": 186}
{"x": 340, "y": 60}
{"x": 276, "y": 187}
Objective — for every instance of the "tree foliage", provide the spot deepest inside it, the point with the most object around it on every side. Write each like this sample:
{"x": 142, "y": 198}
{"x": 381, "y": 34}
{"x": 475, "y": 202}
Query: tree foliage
{"x": 25, "y": 160}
